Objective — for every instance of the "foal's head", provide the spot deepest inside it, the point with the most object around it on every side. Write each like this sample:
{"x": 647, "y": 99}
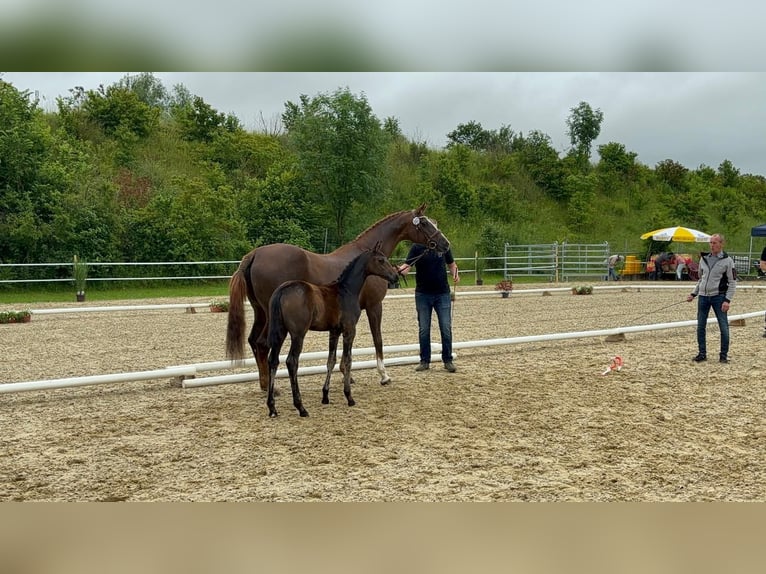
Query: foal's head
{"x": 378, "y": 264}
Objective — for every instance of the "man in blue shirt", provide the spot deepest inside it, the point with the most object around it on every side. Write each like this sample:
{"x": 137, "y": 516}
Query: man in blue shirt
{"x": 432, "y": 293}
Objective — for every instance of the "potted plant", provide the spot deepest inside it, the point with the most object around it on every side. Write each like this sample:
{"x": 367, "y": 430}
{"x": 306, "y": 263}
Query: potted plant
{"x": 582, "y": 290}
{"x": 80, "y": 276}
{"x": 479, "y": 267}
{"x": 506, "y": 286}
{"x": 15, "y": 316}
{"x": 219, "y": 306}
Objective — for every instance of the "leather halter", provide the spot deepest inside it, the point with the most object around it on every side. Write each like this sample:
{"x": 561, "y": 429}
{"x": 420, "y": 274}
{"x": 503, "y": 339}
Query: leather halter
{"x": 430, "y": 241}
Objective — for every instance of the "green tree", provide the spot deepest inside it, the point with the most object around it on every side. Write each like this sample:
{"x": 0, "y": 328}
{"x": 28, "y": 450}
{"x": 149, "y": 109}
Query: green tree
{"x": 728, "y": 173}
{"x": 581, "y": 212}
{"x": 502, "y": 140}
{"x": 32, "y": 182}
{"x": 188, "y": 220}
{"x": 537, "y": 156}
{"x": 475, "y": 137}
{"x": 341, "y": 150}
{"x": 244, "y": 155}
{"x": 673, "y": 174}
{"x": 148, "y": 88}
{"x": 451, "y": 185}
{"x": 616, "y": 160}
{"x": 117, "y": 109}
{"x": 584, "y": 126}
{"x": 280, "y": 211}
{"x": 199, "y": 121}
{"x": 471, "y": 135}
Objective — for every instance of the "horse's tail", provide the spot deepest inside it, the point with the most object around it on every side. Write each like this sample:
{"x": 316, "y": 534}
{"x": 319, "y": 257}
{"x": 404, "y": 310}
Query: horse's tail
{"x": 235, "y": 326}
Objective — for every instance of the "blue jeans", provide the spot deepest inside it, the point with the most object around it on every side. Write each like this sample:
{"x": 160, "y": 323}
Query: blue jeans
{"x": 425, "y": 303}
{"x": 703, "y": 310}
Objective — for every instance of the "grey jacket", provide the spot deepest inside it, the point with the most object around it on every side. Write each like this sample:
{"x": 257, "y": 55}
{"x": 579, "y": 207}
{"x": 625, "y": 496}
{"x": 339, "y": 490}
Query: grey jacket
{"x": 717, "y": 276}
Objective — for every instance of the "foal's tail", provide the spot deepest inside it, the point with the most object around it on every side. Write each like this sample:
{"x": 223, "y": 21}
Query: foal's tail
{"x": 235, "y": 326}
{"x": 276, "y": 320}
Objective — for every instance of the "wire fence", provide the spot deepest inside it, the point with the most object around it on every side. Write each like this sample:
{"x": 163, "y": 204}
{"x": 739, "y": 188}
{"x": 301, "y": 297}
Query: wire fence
{"x": 552, "y": 262}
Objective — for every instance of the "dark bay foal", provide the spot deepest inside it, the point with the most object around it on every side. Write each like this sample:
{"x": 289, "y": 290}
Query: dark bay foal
{"x": 297, "y": 307}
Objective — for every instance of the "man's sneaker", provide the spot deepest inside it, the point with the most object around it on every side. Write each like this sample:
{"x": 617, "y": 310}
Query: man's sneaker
{"x": 450, "y": 366}
{"x": 422, "y": 366}
{"x": 699, "y": 358}
{"x": 723, "y": 359}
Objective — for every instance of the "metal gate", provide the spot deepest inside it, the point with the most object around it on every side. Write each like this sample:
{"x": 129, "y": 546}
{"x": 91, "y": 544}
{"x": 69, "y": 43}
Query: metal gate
{"x": 556, "y": 261}
{"x": 583, "y": 260}
{"x": 532, "y": 260}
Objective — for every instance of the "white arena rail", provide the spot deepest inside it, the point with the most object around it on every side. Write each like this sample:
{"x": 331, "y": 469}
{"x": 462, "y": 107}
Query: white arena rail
{"x": 685, "y": 286}
{"x": 120, "y": 308}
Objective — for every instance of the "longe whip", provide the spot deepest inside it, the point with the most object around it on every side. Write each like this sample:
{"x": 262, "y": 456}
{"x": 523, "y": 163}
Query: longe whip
{"x": 657, "y": 310}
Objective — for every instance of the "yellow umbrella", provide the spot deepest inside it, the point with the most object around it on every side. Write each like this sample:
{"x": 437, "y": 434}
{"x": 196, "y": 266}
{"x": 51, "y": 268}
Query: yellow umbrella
{"x": 683, "y": 234}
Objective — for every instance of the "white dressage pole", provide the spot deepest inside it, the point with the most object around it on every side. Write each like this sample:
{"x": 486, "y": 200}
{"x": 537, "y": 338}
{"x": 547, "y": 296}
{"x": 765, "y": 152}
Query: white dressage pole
{"x": 310, "y": 356}
{"x": 282, "y": 373}
{"x": 190, "y": 370}
{"x": 183, "y": 371}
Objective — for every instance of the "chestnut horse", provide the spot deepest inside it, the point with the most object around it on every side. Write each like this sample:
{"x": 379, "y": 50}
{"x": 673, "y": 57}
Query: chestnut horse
{"x": 299, "y": 306}
{"x": 265, "y": 268}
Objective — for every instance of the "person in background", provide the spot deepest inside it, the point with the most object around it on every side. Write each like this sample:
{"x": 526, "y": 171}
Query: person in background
{"x": 660, "y": 262}
{"x": 680, "y": 266}
{"x": 663, "y": 261}
{"x": 612, "y": 261}
{"x": 715, "y": 289}
{"x": 762, "y": 265}
{"x": 432, "y": 294}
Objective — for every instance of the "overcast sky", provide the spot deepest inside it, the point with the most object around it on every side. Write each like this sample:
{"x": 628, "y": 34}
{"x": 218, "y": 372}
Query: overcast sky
{"x": 693, "y": 118}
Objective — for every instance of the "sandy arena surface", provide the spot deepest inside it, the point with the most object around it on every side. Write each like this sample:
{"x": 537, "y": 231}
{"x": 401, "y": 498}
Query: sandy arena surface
{"x": 524, "y": 422}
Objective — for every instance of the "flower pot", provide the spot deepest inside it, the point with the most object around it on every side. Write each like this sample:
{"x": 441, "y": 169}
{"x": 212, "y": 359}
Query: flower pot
{"x": 506, "y": 294}
{"x": 480, "y": 281}
{"x": 80, "y": 297}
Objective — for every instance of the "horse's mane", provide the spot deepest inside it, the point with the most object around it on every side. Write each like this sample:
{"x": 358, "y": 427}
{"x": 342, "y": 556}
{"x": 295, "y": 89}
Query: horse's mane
{"x": 381, "y": 222}
{"x": 348, "y": 267}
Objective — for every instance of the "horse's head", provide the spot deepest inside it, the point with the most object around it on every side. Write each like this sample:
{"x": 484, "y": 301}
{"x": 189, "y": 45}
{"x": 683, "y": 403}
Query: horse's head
{"x": 378, "y": 264}
{"x": 425, "y": 231}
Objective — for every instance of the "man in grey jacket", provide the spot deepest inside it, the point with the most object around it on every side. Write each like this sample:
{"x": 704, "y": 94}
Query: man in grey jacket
{"x": 715, "y": 288}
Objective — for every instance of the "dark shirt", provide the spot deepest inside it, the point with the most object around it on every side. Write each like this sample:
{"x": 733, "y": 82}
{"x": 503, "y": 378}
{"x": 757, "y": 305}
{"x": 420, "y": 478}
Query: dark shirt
{"x": 430, "y": 269}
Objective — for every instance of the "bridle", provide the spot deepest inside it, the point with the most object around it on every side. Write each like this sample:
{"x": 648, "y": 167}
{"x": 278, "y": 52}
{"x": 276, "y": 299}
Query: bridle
{"x": 430, "y": 242}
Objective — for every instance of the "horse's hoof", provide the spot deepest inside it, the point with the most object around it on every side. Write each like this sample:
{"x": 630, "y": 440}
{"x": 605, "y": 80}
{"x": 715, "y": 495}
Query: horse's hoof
{"x": 273, "y": 415}
{"x": 385, "y": 381}
{"x": 351, "y": 402}
{"x": 304, "y": 413}
{"x": 325, "y": 401}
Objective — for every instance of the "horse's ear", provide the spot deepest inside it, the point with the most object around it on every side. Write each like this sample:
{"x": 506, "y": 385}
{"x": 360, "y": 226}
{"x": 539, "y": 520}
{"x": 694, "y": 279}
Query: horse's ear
{"x": 421, "y": 209}
{"x": 378, "y": 247}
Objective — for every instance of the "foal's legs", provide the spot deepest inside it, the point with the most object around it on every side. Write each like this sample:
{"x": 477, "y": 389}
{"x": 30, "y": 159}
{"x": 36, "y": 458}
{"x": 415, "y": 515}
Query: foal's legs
{"x": 273, "y": 364}
{"x": 345, "y": 364}
{"x": 331, "y": 356}
{"x": 374, "y": 317}
{"x": 296, "y": 346}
